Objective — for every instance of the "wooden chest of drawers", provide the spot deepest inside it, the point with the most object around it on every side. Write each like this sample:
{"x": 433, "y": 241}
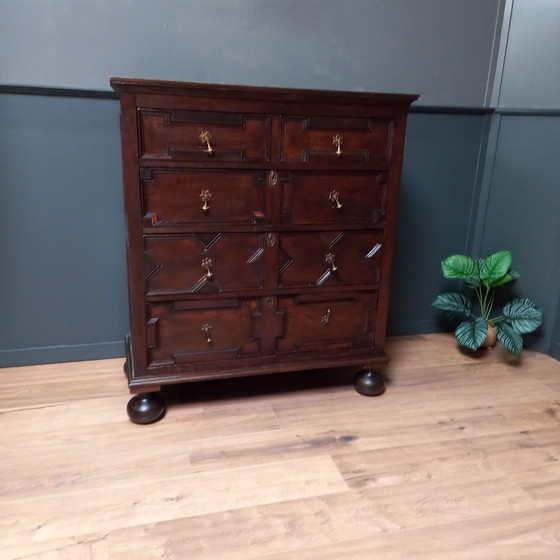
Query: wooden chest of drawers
{"x": 261, "y": 224}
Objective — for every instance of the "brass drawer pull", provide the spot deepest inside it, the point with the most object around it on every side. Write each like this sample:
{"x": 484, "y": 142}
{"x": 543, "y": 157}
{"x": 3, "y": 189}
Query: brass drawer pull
{"x": 334, "y": 197}
{"x": 207, "y": 264}
{"x": 205, "y": 196}
{"x": 205, "y": 136}
{"x": 326, "y": 318}
{"x": 337, "y": 141}
{"x": 206, "y": 328}
{"x": 329, "y": 259}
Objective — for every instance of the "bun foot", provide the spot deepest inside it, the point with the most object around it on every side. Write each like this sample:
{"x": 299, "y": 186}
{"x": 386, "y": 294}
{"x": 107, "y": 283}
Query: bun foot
{"x": 369, "y": 382}
{"x": 145, "y": 408}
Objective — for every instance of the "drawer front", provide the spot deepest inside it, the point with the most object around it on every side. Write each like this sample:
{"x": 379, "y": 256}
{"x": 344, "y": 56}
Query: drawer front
{"x": 337, "y": 142}
{"x": 203, "y": 136}
{"x": 190, "y": 332}
{"x": 329, "y": 323}
{"x": 181, "y": 198}
{"x": 329, "y": 258}
{"x": 310, "y": 198}
{"x": 203, "y": 263}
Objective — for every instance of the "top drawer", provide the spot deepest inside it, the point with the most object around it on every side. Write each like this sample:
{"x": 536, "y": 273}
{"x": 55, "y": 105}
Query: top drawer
{"x": 203, "y": 136}
{"x": 337, "y": 142}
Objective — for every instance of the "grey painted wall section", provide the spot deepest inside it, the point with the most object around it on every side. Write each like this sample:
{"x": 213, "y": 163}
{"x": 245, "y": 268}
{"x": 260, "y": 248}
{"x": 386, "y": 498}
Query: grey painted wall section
{"x": 439, "y": 197}
{"x": 520, "y": 197}
{"x": 523, "y": 211}
{"x": 531, "y": 76}
{"x": 442, "y": 49}
{"x": 62, "y": 285}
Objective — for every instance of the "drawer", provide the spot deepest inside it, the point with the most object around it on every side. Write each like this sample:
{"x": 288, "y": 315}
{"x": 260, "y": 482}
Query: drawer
{"x": 329, "y": 258}
{"x": 189, "y": 332}
{"x": 328, "y": 323}
{"x": 309, "y": 198}
{"x": 337, "y": 142}
{"x": 203, "y": 263}
{"x": 203, "y": 136}
{"x": 180, "y": 198}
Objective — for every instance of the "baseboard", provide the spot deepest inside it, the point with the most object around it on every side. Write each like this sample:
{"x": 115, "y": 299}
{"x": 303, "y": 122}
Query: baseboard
{"x": 405, "y": 328}
{"x": 56, "y": 354}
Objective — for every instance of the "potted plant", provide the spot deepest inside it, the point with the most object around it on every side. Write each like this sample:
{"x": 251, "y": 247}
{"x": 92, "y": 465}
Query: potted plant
{"x": 483, "y": 276}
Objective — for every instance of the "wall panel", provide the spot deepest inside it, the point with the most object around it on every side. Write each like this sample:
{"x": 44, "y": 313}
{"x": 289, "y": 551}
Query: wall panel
{"x": 62, "y": 285}
{"x": 439, "y": 195}
{"x": 531, "y": 77}
{"x": 523, "y": 209}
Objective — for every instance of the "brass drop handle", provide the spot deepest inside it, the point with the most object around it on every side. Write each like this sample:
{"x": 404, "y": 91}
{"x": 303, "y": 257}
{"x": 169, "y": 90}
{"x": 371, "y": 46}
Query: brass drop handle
{"x": 337, "y": 141}
{"x": 205, "y": 136}
{"x": 325, "y": 319}
{"x": 329, "y": 259}
{"x": 206, "y": 328}
{"x": 207, "y": 264}
{"x": 334, "y": 197}
{"x": 205, "y": 196}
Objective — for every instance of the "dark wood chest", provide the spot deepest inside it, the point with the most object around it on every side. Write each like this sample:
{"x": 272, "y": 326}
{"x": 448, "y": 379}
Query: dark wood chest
{"x": 261, "y": 225}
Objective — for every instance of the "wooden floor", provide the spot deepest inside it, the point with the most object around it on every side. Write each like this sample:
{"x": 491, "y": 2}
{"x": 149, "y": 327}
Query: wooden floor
{"x": 460, "y": 458}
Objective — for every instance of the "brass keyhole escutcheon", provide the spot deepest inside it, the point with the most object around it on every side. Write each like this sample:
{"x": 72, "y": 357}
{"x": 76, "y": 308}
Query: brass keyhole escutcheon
{"x": 326, "y": 318}
{"x": 272, "y": 178}
{"x": 269, "y": 302}
{"x": 270, "y": 240}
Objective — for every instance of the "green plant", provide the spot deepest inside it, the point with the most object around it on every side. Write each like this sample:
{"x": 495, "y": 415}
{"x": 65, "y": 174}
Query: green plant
{"x": 483, "y": 276}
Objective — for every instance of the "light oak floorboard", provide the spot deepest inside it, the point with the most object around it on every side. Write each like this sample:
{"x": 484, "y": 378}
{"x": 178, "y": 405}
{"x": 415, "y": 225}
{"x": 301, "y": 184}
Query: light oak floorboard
{"x": 459, "y": 459}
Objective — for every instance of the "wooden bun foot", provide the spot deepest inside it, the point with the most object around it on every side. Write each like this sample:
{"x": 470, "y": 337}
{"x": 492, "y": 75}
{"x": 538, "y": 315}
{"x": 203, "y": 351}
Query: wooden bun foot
{"x": 369, "y": 382}
{"x": 145, "y": 408}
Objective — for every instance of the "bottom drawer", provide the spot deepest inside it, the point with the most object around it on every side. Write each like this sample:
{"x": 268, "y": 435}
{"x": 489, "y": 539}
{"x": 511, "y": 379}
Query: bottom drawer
{"x": 185, "y": 332}
{"x": 327, "y": 323}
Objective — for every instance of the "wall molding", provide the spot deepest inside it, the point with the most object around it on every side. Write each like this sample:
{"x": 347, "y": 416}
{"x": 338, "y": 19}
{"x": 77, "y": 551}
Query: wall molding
{"x": 57, "y": 92}
{"x": 528, "y": 112}
{"x": 420, "y": 109}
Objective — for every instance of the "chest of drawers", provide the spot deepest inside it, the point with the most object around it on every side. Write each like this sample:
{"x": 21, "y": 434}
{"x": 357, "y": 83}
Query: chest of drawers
{"x": 260, "y": 231}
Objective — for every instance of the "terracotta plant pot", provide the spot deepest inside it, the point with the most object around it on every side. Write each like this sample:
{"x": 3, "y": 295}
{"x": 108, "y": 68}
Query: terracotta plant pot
{"x": 490, "y": 337}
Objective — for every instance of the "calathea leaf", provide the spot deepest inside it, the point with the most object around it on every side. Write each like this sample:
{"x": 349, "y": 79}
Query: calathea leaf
{"x": 511, "y": 339}
{"x": 508, "y": 277}
{"x": 495, "y": 267}
{"x": 459, "y": 266}
{"x": 523, "y": 315}
{"x": 472, "y": 333}
{"x": 473, "y": 281}
{"x": 455, "y": 305}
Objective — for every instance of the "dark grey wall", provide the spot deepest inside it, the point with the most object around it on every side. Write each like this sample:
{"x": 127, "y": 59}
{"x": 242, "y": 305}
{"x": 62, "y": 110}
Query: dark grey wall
{"x": 62, "y": 284}
{"x": 439, "y": 197}
{"x": 520, "y": 197}
{"x": 468, "y": 175}
{"x": 523, "y": 210}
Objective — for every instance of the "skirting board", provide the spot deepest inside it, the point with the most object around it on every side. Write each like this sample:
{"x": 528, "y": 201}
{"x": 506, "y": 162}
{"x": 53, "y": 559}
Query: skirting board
{"x": 64, "y": 353}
